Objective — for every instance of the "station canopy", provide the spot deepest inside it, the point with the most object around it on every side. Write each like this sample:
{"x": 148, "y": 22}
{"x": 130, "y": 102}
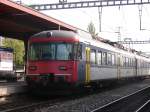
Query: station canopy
{"x": 20, "y": 22}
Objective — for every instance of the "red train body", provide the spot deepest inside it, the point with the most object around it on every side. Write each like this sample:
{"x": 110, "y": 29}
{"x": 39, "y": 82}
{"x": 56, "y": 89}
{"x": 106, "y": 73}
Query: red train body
{"x": 55, "y": 65}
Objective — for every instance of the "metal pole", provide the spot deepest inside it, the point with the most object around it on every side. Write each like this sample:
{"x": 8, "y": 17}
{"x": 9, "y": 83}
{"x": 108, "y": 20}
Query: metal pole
{"x": 140, "y": 16}
{"x": 100, "y": 18}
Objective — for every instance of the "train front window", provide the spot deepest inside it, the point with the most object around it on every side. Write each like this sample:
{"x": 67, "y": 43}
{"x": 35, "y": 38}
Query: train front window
{"x": 42, "y": 51}
{"x": 51, "y": 51}
{"x": 64, "y": 51}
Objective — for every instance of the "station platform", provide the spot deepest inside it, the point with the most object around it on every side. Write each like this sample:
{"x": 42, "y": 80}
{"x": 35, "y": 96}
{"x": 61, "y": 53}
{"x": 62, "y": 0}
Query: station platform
{"x": 7, "y": 89}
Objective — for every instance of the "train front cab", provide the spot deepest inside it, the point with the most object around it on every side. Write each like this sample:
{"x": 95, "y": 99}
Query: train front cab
{"x": 50, "y": 63}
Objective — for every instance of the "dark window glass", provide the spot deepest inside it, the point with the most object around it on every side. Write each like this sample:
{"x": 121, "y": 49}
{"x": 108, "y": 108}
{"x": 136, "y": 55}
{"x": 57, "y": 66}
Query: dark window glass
{"x": 113, "y": 59}
{"x": 93, "y": 56}
{"x": 104, "y": 58}
{"x": 51, "y": 51}
{"x": 79, "y": 51}
{"x": 99, "y": 58}
{"x": 64, "y": 51}
{"x": 127, "y": 62}
{"x": 109, "y": 59}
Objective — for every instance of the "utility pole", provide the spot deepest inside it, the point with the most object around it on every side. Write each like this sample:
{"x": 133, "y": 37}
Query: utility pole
{"x": 100, "y": 18}
{"x": 140, "y": 15}
{"x": 119, "y": 33}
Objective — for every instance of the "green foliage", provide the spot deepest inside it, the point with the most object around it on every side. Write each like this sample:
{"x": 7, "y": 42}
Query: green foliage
{"x": 91, "y": 29}
{"x": 18, "y": 47}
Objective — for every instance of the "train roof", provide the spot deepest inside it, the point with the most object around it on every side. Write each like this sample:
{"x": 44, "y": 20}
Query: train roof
{"x": 86, "y": 37}
{"x": 55, "y": 33}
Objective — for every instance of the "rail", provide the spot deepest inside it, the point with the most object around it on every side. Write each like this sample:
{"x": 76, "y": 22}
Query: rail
{"x": 112, "y": 106}
{"x": 145, "y": 107}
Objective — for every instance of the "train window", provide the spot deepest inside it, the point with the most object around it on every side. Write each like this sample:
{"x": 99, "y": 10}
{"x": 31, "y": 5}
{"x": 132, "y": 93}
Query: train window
{"x": 41, "y": 51}
{"x": 51, "y": 51}
{"x": 129, "y": 63}
{"x": 124, "y": 61}
{"x": 104, "y": 58}
{"x": 134, "y": 62}
{"x": 64, "y": 51}
{"x": 121, "y": 61}
{"x": 93, "y": 57}
{"x": 10, "y": 56}
{"x": 141, "y": 63}
{"x": 113, "y": 59}
{"x": 109, "y": 59}
{"x": 145, "y": 64}
{"x": 99, "y": 58}
{"x": 79, "y": 52}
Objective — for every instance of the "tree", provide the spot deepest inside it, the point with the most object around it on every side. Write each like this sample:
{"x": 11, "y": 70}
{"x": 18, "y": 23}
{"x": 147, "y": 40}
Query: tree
{"x": 91, "y": 29}
{"x": 18, "y": 49}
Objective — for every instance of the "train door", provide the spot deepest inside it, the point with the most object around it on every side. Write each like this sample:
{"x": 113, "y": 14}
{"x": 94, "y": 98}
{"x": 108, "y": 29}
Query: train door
{"x": 118, "y": 66}
{"x": 87, "y": 79}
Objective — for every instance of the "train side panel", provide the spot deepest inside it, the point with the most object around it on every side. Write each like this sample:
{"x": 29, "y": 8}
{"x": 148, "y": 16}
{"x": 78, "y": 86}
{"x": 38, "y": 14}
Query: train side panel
{"x": 103, "y": 73}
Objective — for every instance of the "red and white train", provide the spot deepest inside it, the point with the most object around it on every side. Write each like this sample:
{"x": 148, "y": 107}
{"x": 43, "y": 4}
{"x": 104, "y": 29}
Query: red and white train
{"x": 61, "y": 58}
{"x": 6, "y": 64}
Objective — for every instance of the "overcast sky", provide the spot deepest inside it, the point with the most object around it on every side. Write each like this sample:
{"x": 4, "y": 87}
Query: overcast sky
{"x": 126, "y": 18}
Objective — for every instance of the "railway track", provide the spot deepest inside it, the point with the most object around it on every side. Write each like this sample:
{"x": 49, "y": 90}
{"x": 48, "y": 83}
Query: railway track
{"x": 78, "y": 103}
{"x": 25, "y": 103}
{"x": 145, "y": 107}
{"x": 29, "y": 104}
{"x": 96, "y": 101}
{"x": 30, "y": 107}
{"x": 128, "y": 103}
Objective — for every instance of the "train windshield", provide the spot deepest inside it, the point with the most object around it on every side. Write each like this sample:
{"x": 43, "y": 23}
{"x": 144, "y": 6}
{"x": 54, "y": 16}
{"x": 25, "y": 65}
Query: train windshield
{"x": 52, "y": 51}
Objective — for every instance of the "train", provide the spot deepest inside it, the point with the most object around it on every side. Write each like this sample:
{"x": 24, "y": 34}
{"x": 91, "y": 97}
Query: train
{"x": 6, "y": 64}
{"x": 61, "y": 59}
